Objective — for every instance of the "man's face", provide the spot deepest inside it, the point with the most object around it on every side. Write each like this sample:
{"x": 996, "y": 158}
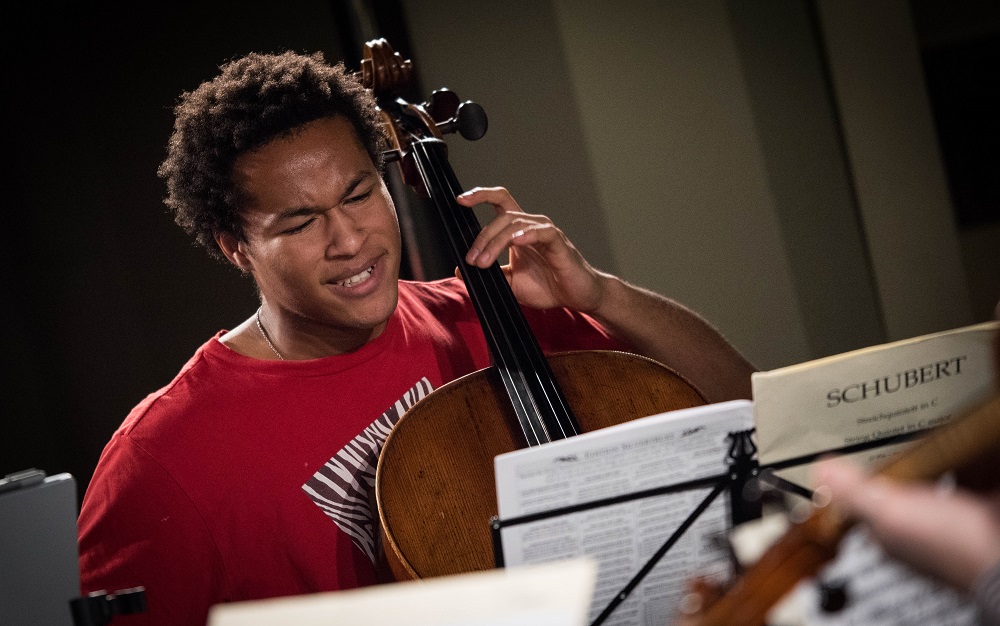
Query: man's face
{"x": 322, "y": 235}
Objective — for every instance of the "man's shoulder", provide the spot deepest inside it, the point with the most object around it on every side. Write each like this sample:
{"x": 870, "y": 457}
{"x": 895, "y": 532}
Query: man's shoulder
{"x": 181, "y": 391}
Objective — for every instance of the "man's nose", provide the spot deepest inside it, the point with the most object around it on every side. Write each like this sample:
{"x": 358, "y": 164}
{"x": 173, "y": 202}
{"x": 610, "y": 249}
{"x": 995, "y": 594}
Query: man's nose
{"x": 344, "y": 234}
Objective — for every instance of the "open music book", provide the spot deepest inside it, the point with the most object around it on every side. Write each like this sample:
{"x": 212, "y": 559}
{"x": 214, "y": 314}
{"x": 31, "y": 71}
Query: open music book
{"x": 863, "y": 397}
{"x": 655, "y": 451}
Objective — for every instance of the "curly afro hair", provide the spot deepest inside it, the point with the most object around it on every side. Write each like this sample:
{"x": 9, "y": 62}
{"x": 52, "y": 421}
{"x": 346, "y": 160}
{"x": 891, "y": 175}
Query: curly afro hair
{"x": 254, "y": 99}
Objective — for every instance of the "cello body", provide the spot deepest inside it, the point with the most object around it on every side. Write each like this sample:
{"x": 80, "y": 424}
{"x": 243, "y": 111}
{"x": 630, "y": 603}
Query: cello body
{"x": 435, "y": 485}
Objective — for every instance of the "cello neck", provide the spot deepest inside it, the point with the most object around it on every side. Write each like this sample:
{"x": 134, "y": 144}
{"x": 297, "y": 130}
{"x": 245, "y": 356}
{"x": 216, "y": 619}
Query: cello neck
{"x": 540, "y": 407}
{"x": 414, "y": 132}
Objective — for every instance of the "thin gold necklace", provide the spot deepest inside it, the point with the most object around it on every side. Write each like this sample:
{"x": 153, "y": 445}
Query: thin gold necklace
{"x": 263, "y": 334}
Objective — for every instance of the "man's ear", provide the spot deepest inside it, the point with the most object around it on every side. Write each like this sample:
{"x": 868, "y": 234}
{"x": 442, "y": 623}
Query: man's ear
{"x": 235, "y": 251}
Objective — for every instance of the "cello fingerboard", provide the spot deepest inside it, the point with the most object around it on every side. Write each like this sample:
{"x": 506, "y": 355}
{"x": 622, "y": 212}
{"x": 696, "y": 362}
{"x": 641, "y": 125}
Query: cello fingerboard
{"x": 539, "y": 404}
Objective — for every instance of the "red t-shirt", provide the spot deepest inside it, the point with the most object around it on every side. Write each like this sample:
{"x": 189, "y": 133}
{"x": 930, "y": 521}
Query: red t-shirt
{"x": 246, "y": 479}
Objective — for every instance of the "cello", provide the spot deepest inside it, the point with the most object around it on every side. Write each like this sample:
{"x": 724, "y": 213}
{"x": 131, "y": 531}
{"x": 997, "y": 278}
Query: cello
{"x": 435, "y": 483}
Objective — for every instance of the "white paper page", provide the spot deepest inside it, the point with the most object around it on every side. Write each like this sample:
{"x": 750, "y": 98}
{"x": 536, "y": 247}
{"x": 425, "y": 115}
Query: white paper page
{"x": 882, "y": 591}
{"x": 556, "y": 594}
{"x": 659, "y": 450}
{"x": 873, "y": 393}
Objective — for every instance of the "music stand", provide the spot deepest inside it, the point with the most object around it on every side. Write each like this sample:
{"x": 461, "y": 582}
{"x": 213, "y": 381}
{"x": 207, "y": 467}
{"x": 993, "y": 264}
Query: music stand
{"x": 742, "y": 469}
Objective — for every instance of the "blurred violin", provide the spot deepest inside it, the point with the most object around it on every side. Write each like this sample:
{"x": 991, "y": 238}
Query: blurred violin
{"x": 967, "y": 441}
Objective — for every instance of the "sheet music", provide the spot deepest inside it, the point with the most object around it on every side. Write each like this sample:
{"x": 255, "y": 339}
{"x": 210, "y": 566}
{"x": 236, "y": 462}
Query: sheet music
{"x": 659, "y": 450}
{"x": 861, "y": 396}
{"x": 879, "y": 590}
{"x": 882, "y": 591}
{"x": 555, "y": 594}
{"x": 872, "y": 393}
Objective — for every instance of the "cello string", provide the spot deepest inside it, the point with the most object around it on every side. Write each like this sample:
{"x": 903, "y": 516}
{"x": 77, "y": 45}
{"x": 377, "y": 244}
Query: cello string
{"x": 477, "y": 277}
{"x": 560, "y": 418}
{"x": 525, "y": 354}
{"x": 526, "y": 411}
{"x": 533, "y": 366}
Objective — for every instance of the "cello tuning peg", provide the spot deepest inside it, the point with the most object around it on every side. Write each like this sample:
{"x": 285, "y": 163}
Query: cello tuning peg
{"x": 470, "y": 121}
{"x": 443, "y": 105}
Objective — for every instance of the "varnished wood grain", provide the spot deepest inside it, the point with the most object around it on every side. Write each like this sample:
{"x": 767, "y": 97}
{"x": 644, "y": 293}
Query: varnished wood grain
{"x": 435, "y": 483}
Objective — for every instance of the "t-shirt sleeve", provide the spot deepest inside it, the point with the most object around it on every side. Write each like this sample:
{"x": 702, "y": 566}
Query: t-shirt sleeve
{"x": 138, "y": 528}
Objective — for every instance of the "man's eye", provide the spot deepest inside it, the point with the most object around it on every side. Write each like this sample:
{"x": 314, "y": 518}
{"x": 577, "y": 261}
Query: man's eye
{"x": 360, "y": 197}
{"x": 300, "y": 227}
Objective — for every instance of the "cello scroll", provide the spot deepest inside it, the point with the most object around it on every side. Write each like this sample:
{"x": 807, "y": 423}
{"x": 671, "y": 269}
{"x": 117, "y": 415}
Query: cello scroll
{"x": 387, "y": 74}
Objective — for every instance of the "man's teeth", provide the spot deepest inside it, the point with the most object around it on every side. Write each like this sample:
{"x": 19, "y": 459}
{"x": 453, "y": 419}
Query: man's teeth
{"x": 357, "y": 278}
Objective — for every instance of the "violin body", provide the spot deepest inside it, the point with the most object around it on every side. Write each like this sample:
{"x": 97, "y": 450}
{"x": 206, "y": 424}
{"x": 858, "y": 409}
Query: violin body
{"x": 969, "y": 440}
{"x": 435, "y": 483}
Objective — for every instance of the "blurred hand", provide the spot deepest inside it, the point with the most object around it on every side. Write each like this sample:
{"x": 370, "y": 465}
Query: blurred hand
{"x": 950, "y": 535}
{"x": 701, "y": 594}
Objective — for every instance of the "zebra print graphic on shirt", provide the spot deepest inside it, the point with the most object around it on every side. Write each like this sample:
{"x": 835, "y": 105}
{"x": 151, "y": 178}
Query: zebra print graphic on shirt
{"x": 344, "y": 488}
